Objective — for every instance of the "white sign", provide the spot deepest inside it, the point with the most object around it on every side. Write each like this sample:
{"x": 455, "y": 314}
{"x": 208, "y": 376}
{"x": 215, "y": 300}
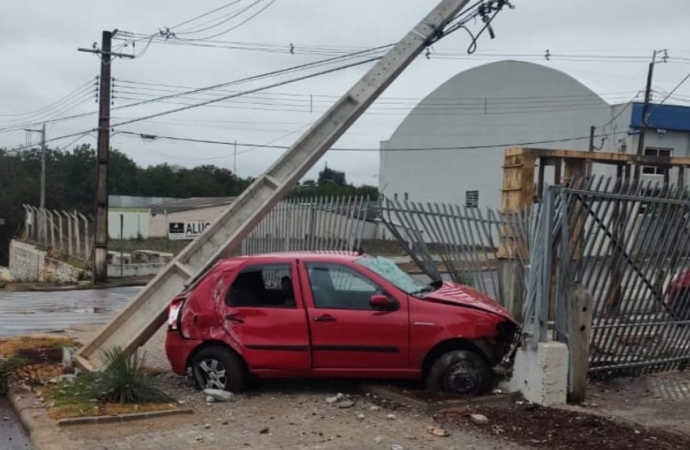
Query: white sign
{"x": 186, "y": 231}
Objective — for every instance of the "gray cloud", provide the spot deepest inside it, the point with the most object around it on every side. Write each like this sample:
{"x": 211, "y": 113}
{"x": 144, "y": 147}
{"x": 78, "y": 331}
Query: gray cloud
{"x": 40, "y": 63}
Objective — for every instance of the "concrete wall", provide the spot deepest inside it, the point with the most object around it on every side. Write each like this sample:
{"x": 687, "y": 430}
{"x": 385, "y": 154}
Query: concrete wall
{"x": 136, "y": 223}
{"x": 26, "y": 262}
{"x": 134, "y": 270}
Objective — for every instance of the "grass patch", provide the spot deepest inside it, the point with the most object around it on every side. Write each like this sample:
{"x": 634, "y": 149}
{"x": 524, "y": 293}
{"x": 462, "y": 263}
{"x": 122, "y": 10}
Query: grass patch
{"x": 14, "y": 346}
{"x": 123, "y": 387}
{"x": 67, "y": 401}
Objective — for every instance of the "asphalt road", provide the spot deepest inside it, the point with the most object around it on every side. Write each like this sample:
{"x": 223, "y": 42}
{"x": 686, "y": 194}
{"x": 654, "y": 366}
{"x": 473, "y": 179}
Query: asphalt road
{"x": 27, "y": 312}
{"x": 12, "y": 436}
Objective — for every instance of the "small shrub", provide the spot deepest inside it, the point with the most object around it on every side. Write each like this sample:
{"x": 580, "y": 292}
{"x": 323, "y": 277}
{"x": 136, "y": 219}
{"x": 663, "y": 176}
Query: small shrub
{"x": 8, "y": 367}
{"x": 124, "y": 380}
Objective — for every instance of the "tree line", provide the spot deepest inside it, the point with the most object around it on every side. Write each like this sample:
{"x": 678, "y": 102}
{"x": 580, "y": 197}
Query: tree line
{"x": 71, "y": 181}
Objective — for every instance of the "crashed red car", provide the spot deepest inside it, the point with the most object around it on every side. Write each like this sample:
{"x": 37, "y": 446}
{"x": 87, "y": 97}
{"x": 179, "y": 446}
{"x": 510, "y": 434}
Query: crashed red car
{"x": 333, "y": 315}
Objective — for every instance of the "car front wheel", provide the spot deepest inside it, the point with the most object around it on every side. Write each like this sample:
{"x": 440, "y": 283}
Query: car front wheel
{"x": 460, "y": 372}
{"x": 219, "y": 368}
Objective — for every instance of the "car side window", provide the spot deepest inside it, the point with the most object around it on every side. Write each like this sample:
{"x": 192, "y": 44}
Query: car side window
{"x": 263, "y": 286}
{"x": 338, "y": 287}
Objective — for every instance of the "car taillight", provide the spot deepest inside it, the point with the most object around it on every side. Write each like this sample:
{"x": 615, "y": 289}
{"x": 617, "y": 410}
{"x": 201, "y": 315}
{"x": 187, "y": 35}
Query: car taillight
{"x": 174, "y": 314}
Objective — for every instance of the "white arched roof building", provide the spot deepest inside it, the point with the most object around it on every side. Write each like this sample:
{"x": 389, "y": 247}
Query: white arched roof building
{"x": 479, "y": 112}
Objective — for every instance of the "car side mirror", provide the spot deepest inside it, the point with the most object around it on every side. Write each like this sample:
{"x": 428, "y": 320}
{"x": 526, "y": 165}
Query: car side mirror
{"x": 383, "y": 302}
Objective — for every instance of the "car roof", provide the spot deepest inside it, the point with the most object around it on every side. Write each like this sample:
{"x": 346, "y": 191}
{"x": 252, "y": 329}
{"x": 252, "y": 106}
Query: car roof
{"x": 332, "y": 256}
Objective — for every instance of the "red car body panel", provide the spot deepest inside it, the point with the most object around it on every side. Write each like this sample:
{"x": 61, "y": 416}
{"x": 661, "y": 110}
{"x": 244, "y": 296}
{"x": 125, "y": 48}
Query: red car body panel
{"x": 308, "y": 341}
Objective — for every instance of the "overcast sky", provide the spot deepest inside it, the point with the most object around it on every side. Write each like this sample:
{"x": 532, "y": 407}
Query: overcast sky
{"x": 41, "y": 65}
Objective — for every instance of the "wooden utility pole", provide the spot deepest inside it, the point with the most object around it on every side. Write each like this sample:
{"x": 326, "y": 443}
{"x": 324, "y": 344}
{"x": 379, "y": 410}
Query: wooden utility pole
{"x": 100, "y": 254}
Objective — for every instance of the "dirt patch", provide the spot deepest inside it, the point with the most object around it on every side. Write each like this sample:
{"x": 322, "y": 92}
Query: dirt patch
{"x": 35, "y": 349}
{"x": 556, "y": 429}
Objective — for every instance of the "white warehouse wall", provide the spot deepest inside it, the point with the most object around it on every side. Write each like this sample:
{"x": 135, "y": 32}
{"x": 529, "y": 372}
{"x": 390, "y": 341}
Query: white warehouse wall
{"x": 506, "y": 102}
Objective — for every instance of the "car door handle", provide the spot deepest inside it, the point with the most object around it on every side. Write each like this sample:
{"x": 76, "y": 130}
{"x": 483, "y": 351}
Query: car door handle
{"x": 234, "y": 318}
{"x": 324, "y": 318}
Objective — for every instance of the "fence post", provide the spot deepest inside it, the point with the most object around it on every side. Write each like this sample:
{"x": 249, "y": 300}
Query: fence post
{"x": 583, "y": 307}
{"x": 77, "y": 240}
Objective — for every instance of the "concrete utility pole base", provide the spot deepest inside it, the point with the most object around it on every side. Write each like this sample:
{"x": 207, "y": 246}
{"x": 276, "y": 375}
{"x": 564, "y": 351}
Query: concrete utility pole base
{"x": 541, "y": 374}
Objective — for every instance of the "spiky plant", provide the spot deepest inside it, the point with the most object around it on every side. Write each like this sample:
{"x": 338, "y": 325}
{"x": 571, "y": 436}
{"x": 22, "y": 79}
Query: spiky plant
{"x": 124, "y": 380}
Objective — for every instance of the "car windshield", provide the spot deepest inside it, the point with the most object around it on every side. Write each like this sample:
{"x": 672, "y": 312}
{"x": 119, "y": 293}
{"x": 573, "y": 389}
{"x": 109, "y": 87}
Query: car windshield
{"x": 387, "y": 269}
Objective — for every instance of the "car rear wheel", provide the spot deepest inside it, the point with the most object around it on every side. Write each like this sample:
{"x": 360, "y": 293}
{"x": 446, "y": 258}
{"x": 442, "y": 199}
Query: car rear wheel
{"x": 219, "y": 368}
{"x": 460, "y": 372}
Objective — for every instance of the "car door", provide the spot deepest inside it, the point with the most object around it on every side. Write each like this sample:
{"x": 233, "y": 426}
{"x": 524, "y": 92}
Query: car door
{"x": 264, "y": 314}
{"x": 346, "y": 331}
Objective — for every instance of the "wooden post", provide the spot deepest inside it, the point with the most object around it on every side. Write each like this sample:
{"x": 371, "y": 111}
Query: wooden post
{"x": 583, "y": 306}
{"x": 517, "y": 196}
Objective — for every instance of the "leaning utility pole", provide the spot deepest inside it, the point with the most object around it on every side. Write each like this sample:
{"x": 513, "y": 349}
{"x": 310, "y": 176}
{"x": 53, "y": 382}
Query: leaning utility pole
{"x": 645, "y": 109}
{"x": 100, "y": 254}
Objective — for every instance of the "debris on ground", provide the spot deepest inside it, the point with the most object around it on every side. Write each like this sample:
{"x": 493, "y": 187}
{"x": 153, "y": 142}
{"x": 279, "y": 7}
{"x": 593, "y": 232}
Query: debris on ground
{"x": 479, "y": 419}
{"x": 346, "y": 404}
{"x": 378, "y": 439}
{"x": 360, "y": 416}
{"x": 438, "y": 431}
{"x": 397, "y": 447}
{"x": 335, "y": 398}
{"x": 552, "y": 428}
{"x": 264, "y": 430}
{"x": 219, "y": 396}
{"x": 390, "y": 417}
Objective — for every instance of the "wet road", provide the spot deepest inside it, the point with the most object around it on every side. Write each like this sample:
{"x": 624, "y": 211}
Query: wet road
{"x": 12, "y": 436}
{"x": 26, "y": 312}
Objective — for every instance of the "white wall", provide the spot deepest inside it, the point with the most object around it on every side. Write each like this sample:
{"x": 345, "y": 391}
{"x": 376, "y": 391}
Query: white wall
{"x": 506, "y": 102}
{"x": 136, "y": 223}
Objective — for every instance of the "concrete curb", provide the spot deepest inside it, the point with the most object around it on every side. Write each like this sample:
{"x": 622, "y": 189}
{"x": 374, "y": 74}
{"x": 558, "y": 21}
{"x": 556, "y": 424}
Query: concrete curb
{"x": 92, "y": 420}
{"x": 46, "y": 434}
{"x": 43, "y": 432}
{"x": 433, "y": 407}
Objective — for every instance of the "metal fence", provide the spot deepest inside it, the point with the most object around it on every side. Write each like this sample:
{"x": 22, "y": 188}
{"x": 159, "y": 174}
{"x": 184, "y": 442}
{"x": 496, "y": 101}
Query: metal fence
{"x": 460, "y": 242}
{"x": 627, "y": 244}
{"x": 69, "y": 233}
{"x": 319, "y": 223}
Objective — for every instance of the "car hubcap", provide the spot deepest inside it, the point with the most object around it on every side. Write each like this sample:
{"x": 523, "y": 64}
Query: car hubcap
{"x": 212, "y": 374}
{"x": 461, "y": 378}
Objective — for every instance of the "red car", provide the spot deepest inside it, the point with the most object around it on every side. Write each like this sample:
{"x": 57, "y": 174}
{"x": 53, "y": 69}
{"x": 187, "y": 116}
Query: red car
{"x": 333, "y": 315}
{"x": 679, "y": 296}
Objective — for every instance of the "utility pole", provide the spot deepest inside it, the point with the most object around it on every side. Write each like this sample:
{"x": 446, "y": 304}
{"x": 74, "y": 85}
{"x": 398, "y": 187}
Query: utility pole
{"x": 100, "y": 255}
{"x": 645, "y": 109}
{"x": 234, "y": 162}
{"x": 42, "y": 229}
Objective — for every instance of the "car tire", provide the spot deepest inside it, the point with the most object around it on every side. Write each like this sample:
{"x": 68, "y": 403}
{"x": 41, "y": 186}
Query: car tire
{"x": 460, "y": 372}
{"x": 681, "y": 305}
{"x": 219, "y": 368}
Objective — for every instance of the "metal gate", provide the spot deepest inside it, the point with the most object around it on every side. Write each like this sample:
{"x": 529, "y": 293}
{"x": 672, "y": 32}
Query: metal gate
{"x": 626, "y": 243}
{"x": 458, "y": 242}
{"x": 318, "y": 223}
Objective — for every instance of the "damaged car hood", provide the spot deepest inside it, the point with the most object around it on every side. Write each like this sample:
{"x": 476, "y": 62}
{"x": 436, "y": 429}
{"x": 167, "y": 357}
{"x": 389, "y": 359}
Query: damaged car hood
{"x": 459, "y": 295}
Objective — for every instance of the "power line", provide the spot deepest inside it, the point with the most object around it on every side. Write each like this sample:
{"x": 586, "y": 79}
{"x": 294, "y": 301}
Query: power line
{"x": 150, "y": 137}
{"x": 201, "y": 16}
{"x": 300, "y": 67}
{"x": 282, "y": 83}
{"x": 59, "y": 138}
{"x": 78, "y": 90}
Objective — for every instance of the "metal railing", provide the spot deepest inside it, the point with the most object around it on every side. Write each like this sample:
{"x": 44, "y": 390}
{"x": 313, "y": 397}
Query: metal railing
{"x": 318, "y": 223}
{"x": 69, "y": 233}
{"x": 627, "y": 247}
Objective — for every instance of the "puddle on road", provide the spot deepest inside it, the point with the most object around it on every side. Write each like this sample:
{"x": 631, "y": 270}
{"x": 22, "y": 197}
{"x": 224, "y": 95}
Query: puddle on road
{"x": 22, "y": 312}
